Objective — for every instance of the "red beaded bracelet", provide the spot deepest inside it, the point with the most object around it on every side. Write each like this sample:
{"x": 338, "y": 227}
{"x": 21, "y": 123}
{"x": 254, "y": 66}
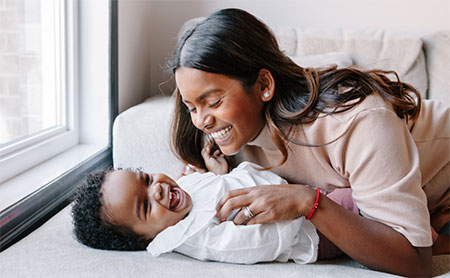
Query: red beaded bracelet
{"x": 316, "y": 205}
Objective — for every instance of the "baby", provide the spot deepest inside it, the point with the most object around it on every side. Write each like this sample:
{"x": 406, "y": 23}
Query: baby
{"x": 133, "y": 210}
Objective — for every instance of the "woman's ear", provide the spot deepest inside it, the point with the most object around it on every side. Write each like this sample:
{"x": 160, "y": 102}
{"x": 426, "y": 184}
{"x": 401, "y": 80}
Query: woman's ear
{"x": 265, "y": 85}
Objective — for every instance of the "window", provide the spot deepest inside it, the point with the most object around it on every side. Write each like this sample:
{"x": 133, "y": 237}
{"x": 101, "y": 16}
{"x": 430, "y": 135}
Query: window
{"x": 37, "y": 108}
{"x": 74, "y": 106}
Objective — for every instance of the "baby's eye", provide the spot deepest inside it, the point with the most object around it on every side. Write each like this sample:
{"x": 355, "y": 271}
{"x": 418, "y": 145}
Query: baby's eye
{"x": 145, "y": 206}
{"x": 147, "y": 179}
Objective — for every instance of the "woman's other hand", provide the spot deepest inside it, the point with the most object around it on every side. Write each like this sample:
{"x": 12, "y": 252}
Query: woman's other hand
{"x": 268, "y": 203}
{"x": 215, "y": 162}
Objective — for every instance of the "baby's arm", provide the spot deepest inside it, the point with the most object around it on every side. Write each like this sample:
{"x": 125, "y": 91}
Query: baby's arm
{"x": 215, "y": 162}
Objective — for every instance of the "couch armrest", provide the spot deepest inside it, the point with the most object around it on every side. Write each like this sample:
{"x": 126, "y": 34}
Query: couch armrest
{"x": 141, "y": 138}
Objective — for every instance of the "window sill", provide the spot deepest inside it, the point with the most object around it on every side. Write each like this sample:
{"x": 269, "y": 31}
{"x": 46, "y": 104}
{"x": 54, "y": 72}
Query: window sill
{"x": 14, "y": 189}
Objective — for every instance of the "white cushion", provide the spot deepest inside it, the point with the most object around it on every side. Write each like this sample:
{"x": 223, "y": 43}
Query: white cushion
{"x": 52, "y": 251}
{"x": 340, "y": 59}
{"x": 437, "y": 53}
{"x": 141, "y": 138}
{"x": 369, "y": 49}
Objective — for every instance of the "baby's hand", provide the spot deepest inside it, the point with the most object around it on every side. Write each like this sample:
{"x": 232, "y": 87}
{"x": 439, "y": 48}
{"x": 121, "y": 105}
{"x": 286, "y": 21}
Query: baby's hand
{"x": 189, "y": 169}
{"x": 215, "y": 162}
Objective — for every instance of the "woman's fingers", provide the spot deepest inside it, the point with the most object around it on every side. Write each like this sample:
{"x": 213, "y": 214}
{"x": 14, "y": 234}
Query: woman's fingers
{"x": 269, "y": 203}
{"x": 263, "y": 217}
{"x": 232, "y": 200}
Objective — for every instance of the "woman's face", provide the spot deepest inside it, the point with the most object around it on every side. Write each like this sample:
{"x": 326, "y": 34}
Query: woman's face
{"x": 145, "y": 203}
{"x": 221, "y": 107}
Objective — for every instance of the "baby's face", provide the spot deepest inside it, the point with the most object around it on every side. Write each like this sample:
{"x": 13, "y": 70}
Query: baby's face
{"x": 145, "y": 203}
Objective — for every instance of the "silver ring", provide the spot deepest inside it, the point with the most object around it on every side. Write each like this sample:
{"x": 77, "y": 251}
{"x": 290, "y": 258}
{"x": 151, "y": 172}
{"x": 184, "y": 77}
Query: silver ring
{"x": 248, "y": 212}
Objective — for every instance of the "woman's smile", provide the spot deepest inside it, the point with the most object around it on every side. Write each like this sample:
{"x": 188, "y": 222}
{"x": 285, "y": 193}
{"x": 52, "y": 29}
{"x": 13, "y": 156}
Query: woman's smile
{"x": 222, "y": 135}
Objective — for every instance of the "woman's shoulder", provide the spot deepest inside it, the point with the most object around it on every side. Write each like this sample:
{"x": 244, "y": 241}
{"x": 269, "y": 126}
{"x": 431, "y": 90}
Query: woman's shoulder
{"x": 330, "y": 127}
{"x": 372, "y": 103}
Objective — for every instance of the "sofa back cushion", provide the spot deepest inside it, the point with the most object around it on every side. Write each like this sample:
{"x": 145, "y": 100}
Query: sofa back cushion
{"x": 437, "y": 53}
{"x": 368, "y": 49}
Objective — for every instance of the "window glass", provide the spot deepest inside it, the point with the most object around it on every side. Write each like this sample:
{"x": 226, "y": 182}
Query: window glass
{"x": 30, "y": 101}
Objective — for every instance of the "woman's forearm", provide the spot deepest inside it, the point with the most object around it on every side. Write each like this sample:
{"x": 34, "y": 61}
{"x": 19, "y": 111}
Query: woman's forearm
{"x": 369, "y": 242}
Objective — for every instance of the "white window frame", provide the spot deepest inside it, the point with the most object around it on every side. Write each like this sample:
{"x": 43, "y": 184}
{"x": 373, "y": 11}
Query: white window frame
{"x": 59, "y": 26}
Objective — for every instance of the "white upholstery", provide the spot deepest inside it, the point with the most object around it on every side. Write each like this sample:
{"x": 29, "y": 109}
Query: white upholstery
{"x": 437, "y": 53}
{"x": 51, "y": 251}
{"x": 141, "y": 138}
{"x": 374, "y": 49}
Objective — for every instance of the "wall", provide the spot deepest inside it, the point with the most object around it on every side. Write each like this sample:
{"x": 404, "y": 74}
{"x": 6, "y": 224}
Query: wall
{"x": 134, "y": 51}
{"x": 149, "y": 48}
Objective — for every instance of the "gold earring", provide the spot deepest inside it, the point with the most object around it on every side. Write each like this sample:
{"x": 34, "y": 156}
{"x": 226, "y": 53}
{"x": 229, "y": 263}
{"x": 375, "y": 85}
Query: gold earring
{"x": 266, "y": 94}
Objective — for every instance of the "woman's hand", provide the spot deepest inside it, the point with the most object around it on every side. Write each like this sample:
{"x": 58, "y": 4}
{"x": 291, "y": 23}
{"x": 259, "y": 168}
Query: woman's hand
{"x": 215, "y": 162}
{"x": 268, "y": 203}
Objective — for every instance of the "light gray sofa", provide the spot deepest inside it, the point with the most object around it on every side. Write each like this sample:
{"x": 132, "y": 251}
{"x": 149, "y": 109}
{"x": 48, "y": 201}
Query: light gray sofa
{"x": 140, "y": 139}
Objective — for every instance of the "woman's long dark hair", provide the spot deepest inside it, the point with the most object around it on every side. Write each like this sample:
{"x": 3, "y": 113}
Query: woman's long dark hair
{"x": 235, "y": 43}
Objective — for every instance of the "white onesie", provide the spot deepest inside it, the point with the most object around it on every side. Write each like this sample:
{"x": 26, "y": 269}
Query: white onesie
{"x": 201, "y": 236}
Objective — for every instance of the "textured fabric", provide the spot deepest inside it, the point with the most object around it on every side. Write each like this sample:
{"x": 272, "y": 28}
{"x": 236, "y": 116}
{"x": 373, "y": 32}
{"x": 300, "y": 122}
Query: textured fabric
{"x": 437, "y": 53}
{"x": 201, "y": 236}
{"x": 340, "y": 59}
{"x": 372, "y": 151}
{"x": 369, "y": 49}
{"x": 141, "y": 138}
{"x": 52, "y": 251}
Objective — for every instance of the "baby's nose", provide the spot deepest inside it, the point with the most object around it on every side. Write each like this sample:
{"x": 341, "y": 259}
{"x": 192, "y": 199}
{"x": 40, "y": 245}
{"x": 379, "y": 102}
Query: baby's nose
{"x": 157, "y": 191}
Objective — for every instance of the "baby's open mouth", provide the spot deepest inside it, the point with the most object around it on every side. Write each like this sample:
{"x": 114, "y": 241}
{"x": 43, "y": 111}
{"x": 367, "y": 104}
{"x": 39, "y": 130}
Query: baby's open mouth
{"x": 175, "y": 198}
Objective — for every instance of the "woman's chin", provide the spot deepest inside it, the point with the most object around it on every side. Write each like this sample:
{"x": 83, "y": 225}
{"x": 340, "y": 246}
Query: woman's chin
{"x": 229, "y": 150}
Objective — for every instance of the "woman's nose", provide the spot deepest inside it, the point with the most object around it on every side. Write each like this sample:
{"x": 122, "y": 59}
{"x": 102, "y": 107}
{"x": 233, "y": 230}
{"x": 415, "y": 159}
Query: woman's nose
{"x": 204, "y": 121}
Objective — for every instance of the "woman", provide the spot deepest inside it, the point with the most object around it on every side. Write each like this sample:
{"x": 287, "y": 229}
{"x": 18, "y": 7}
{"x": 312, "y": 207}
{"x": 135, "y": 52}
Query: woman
{"x": 324, "y": 129}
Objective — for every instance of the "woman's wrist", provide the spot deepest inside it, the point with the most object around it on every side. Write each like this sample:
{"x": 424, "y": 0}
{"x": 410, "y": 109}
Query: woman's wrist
{"x": 308, "y": 202}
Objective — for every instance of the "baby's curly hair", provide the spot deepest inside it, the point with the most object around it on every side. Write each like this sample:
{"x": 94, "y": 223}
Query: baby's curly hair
{"x": 90, "y": 226}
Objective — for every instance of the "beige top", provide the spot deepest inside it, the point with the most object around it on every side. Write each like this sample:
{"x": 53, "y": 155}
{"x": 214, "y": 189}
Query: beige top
{"x": 373, "y": 151}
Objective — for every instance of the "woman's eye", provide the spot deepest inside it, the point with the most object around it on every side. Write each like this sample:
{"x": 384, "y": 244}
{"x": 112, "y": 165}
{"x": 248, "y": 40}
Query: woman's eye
{"x": 190, "y": 110}
{"x": 215, "y": 103}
